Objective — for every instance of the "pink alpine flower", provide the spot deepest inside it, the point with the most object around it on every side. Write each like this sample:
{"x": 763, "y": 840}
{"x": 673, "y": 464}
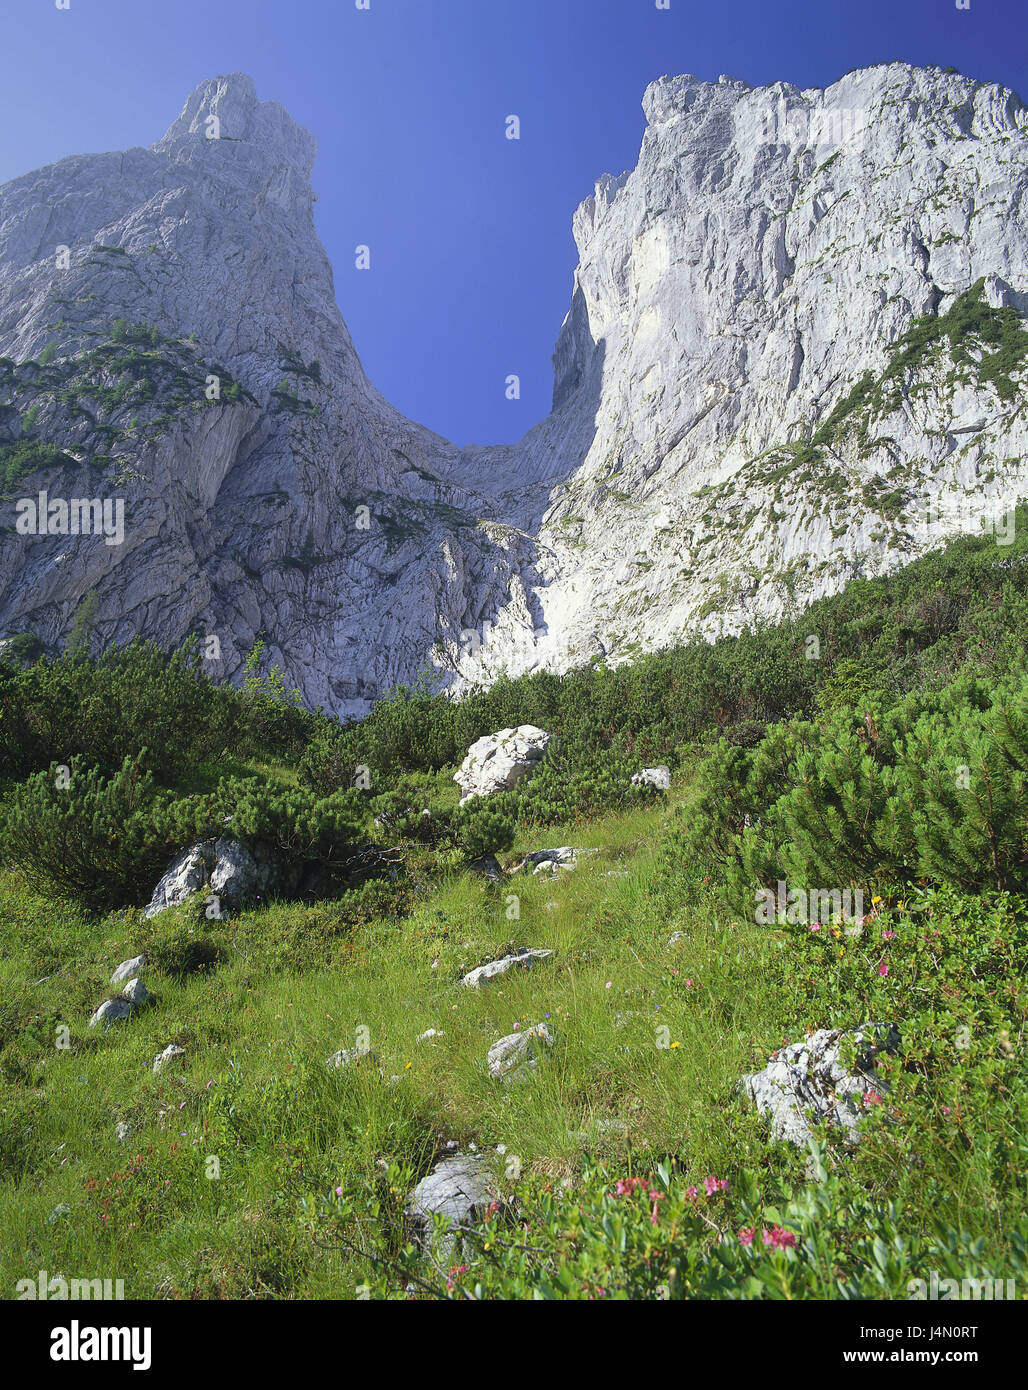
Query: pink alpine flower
{"x": 746, "y": 1235}
{"x": 778, "y": 1238}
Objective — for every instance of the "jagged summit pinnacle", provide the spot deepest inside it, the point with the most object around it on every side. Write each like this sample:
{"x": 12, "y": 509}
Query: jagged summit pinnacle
{"x": 228, "y": 105}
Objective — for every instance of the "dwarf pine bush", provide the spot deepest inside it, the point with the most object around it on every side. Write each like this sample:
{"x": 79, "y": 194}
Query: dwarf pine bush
{"x": 101, "y": 839}
{"x": 933, "y": 789}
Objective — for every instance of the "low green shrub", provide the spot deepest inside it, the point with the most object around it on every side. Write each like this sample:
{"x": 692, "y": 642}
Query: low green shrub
{"x": 661, "y": 1237}
{"x": 103, "y": 840}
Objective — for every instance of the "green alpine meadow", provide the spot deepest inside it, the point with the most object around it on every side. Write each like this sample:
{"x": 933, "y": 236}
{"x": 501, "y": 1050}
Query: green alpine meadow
{"x": 323, "y": 1055}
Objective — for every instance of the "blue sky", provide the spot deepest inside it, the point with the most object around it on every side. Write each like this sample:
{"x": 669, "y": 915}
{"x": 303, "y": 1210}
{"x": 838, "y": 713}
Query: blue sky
{"x": 472, "y": 255}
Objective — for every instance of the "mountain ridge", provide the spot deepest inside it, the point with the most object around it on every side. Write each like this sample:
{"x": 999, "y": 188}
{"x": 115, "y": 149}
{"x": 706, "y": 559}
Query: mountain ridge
{"x": 731, "y": 295}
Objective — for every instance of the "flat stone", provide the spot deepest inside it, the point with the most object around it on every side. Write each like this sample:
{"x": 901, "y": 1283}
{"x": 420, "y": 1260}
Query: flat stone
{"x": 524, "y": 958}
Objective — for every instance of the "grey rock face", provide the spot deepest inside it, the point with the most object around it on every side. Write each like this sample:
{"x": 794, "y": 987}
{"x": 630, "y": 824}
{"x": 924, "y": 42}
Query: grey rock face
{"x": 497, "y": 762}
{"x": 807, "y": 1083}
{"x": 256, "y": 512}
{"x": 763, "y": 257}
{"x": 767, "y": 251}
{"x": 512, "y": 1056}
{"x": 524, "y": 958}
{"x": 659, "y": 777}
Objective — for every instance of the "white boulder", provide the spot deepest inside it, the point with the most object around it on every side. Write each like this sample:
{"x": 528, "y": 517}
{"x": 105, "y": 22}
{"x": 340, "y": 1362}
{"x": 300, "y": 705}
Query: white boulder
{"x": 498, "y": 761}
{"x": 807, "y": 1083}
{"x": 659, "y": 777}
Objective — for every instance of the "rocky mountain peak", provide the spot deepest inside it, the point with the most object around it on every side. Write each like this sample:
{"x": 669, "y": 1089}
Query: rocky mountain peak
{"x": 226, "y": 109}
{"x": 794, "y": 334}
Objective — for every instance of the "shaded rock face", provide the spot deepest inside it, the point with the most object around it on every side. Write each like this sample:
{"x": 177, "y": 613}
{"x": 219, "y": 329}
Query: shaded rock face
{"x": 765, "y": 254}
{"x": 235, "y": 875}
{"x": 316, "y": 512}
{"x": 497, "y": 762}
{"x": 807, "y": 1082}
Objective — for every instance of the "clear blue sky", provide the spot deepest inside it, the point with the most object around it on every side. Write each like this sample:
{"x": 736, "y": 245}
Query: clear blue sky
{"x": 470, "y": 233}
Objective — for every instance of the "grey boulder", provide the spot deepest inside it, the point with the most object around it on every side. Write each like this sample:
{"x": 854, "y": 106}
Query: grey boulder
{"x": 806, "y": 1083}
{"x": 512, "y": 1056}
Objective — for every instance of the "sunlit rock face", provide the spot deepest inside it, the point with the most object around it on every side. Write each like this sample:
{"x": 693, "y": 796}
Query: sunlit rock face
{"x": 736, "y": 429}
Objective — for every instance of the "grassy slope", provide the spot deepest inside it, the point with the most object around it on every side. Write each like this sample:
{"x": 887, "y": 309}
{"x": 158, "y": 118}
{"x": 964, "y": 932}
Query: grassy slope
{"x": 260, "y": 1014}
{"x": 290, "y": 988}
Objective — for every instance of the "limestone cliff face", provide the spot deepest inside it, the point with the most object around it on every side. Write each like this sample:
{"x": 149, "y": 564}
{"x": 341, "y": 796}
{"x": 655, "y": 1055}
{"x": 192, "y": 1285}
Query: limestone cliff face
{"x": 299, "y": 503}
{"x": 764, "y": 258}
{"x": 738, "y": 423}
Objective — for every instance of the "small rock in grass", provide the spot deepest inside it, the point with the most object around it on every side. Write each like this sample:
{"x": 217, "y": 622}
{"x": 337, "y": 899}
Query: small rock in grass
{"x": 511, "y": 1055}
{"x": 136, "y": 993}
{"x": 524, "y": 957}
{"x": 170, "y": 1052}
{"x": 111, "y": 1011}
{"x": 128, "y": 969}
